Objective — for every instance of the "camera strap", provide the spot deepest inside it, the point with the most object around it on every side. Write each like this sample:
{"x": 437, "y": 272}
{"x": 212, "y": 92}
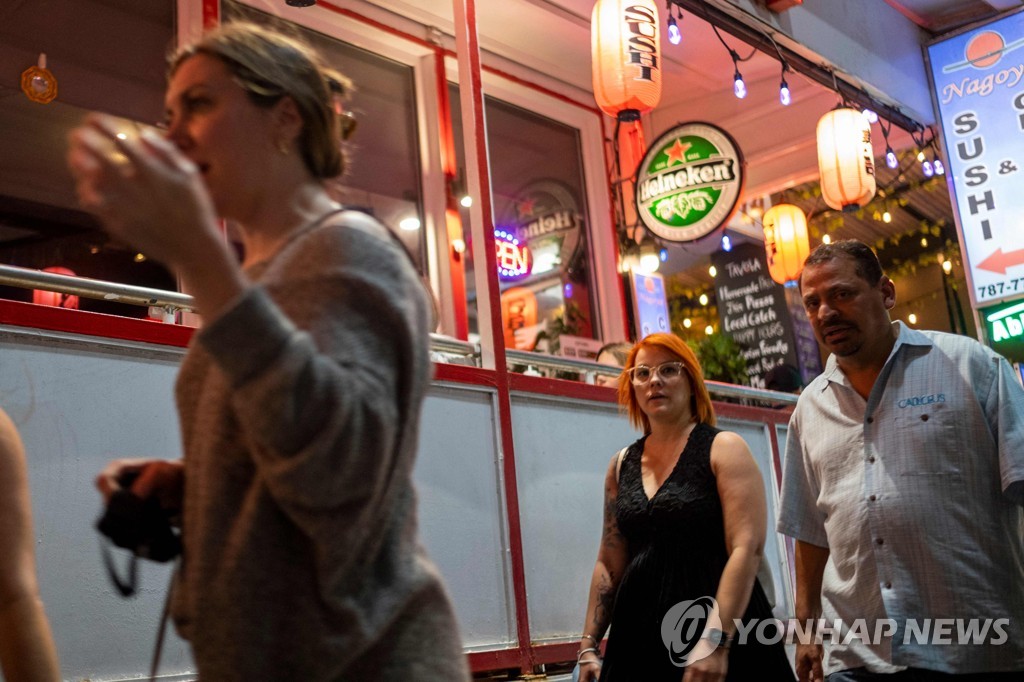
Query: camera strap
{"x": 127, "y": 587}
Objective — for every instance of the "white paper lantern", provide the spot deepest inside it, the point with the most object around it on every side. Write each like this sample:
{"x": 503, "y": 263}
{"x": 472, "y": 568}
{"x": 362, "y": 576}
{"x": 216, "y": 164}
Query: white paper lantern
{"x": 845, "y": 159}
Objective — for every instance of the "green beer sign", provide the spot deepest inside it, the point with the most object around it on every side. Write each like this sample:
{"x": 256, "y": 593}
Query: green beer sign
{"x": 689, "y": 182}
{"x": 1004, "y": 327}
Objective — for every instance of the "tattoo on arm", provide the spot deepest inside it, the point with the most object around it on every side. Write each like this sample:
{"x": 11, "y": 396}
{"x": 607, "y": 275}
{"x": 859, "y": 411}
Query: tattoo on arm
{"x": 611, "y": 538}
{"x": 605, "y": 603}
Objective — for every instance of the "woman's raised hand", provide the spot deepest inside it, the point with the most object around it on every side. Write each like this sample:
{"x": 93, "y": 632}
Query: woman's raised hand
{"x": 144, "y": 190}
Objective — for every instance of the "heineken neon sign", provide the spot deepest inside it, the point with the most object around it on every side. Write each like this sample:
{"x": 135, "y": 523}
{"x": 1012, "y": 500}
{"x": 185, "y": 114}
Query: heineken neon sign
{"x": 689, "y": 182}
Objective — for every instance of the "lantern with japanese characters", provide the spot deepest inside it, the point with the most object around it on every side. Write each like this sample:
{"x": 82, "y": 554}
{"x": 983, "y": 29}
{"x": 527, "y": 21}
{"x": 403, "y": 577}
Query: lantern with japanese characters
{"x": 785, "y": 241}
{"x": 845, "y": 159}
{"x": 626, "y": 54}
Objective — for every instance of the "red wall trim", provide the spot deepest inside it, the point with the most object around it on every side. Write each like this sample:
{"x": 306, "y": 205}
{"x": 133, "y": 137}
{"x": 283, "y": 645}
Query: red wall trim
{"x": 561, "y": 387}
{"x": 480, "y": 661}
{"x": 465, "y": 375}
{"x": 748, "y": 412}
{"x": 94, "y": 324}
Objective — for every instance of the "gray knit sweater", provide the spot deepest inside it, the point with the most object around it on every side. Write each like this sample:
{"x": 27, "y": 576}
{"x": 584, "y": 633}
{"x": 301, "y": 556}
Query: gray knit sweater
{"x": 300, "y": 410}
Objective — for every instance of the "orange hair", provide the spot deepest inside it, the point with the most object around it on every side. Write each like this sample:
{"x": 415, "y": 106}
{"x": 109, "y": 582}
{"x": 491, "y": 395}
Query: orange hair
{"x": 701, "y": 402}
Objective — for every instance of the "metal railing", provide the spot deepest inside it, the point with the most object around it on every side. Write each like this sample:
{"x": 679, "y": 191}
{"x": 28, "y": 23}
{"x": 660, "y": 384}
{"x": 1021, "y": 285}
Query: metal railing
{"x": 551, "y": 364}
{"x": 27, "y": 278}
{"x": 171, "y": 302}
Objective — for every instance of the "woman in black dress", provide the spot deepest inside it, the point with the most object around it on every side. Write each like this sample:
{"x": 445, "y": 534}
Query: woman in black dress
{"x": 684, "y": 519}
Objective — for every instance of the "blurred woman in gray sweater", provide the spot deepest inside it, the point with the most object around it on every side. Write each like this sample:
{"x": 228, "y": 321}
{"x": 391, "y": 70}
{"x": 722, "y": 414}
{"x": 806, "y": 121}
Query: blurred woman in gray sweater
{"x": 300, "y": 398}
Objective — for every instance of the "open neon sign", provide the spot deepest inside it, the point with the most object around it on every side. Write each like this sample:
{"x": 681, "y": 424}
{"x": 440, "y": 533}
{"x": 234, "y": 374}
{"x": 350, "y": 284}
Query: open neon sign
{"x": 514, "y": 259}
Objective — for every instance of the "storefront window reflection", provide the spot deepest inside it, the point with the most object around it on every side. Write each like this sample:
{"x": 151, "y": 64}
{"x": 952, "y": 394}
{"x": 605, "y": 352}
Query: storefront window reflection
{"x": 382, "y": 176}
{"x": 104, "y": 57}
{"x": 541, "y": 232}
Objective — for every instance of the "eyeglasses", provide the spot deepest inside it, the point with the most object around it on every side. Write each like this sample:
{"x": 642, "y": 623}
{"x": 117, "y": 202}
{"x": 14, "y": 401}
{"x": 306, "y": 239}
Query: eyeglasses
{"x": 666, "y": 371}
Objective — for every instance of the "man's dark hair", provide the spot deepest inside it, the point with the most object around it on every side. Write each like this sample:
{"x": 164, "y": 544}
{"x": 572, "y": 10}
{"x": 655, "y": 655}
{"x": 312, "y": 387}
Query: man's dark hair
{"x": 865, "y": 261}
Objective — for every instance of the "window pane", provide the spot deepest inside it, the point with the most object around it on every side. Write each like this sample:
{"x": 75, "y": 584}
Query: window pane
{"x": 108, "y": 56}
{"x": 382, "y": 164}
{"x": 540, "y": 207}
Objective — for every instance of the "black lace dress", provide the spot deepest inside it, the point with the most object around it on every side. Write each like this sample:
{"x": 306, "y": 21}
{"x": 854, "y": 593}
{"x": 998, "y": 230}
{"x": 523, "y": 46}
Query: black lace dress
{"x": 677, "y": 552}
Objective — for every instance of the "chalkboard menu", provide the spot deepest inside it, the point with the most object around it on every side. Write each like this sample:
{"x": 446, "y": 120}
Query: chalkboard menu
{"x": 752, "y": 310}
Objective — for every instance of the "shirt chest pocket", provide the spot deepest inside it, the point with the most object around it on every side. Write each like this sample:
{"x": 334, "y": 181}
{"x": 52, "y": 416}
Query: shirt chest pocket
{"x": 926, "y": 443}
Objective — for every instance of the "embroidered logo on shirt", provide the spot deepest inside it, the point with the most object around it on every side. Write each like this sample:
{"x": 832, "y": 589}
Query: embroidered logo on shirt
{"x": 919, "y": 400}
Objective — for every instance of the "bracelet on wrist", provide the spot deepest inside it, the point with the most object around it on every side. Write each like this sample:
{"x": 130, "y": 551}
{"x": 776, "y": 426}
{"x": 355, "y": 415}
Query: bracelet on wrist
{"x": 721, "y": 640}
{"x": 591, "y": 638}
{"x": 590, "y": 650}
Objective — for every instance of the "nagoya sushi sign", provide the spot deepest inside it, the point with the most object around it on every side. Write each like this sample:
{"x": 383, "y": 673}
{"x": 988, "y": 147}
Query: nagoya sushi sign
{"x": 689, "y": 182}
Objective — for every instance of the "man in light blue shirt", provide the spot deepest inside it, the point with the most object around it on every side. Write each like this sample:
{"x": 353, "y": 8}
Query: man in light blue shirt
{"x": 903, "y": 485}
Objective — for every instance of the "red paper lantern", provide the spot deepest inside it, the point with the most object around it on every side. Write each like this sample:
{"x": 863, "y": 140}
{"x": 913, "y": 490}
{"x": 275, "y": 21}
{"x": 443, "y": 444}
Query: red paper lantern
{"x": 53, "y": 298}
{"x": 626, "y": 53}
{"x": 785, "y": 241}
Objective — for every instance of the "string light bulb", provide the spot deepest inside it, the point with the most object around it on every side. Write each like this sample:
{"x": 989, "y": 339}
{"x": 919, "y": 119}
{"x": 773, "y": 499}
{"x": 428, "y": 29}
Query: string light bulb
{"x": 870, "y": 115}
{"x": 713, "y": 271}
{"x": 890, "y": 158}
{"x": 687, "y": 322}
{"x": 947, "y": 266}
{"x": 887, "y": 217}
{"x": 703, "y": 299}
{"x": 739, "y": 88}
{"x": 921, "y": 157}
{"x": 938, "y": 167}
{"x": 827, "y": 239}
{"x": 785, "y": 97}
{"x": 726, "y": 243}
{"x": 927, "y": 168}
{"x": 675, "y": 36}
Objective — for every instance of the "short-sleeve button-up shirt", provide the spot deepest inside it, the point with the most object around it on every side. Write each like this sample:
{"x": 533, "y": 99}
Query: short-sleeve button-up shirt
{"x": 916, "y": 494}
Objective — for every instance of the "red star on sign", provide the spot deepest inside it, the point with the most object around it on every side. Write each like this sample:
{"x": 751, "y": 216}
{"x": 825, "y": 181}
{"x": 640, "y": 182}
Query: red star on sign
{"x": 677, "y": 152}
{"x": 525, "y": 207}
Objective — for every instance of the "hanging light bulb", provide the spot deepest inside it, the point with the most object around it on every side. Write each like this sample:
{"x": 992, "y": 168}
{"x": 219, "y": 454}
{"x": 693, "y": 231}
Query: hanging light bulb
{"x": 912, "y": 318}
{"x": 687, "y": 322}
{"x": 726, "y": 243}
{"x": 927, "y": 169}
{"x": 938, "y": 167}
{"x": 703, "y": 299}
{"x": 947, "y": 266}
{"x": 921, "y": 157}
{"x": 709, "y": 330}
{"x": 784, "y": 96}
{"x": 890, "y": 158}
{"x": 713, "y": 271}
{"x": 675, "y": 36}
{"x": 887, "y": 217}
{"x": 663, "y": 255}
{"x": 827, "y": 239}
{"x": 870, "y": 115}
{"x": 739, "y": 88}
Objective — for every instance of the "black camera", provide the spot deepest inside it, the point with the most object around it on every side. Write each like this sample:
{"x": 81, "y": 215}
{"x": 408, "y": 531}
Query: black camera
{"x": 140, "y": 525}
